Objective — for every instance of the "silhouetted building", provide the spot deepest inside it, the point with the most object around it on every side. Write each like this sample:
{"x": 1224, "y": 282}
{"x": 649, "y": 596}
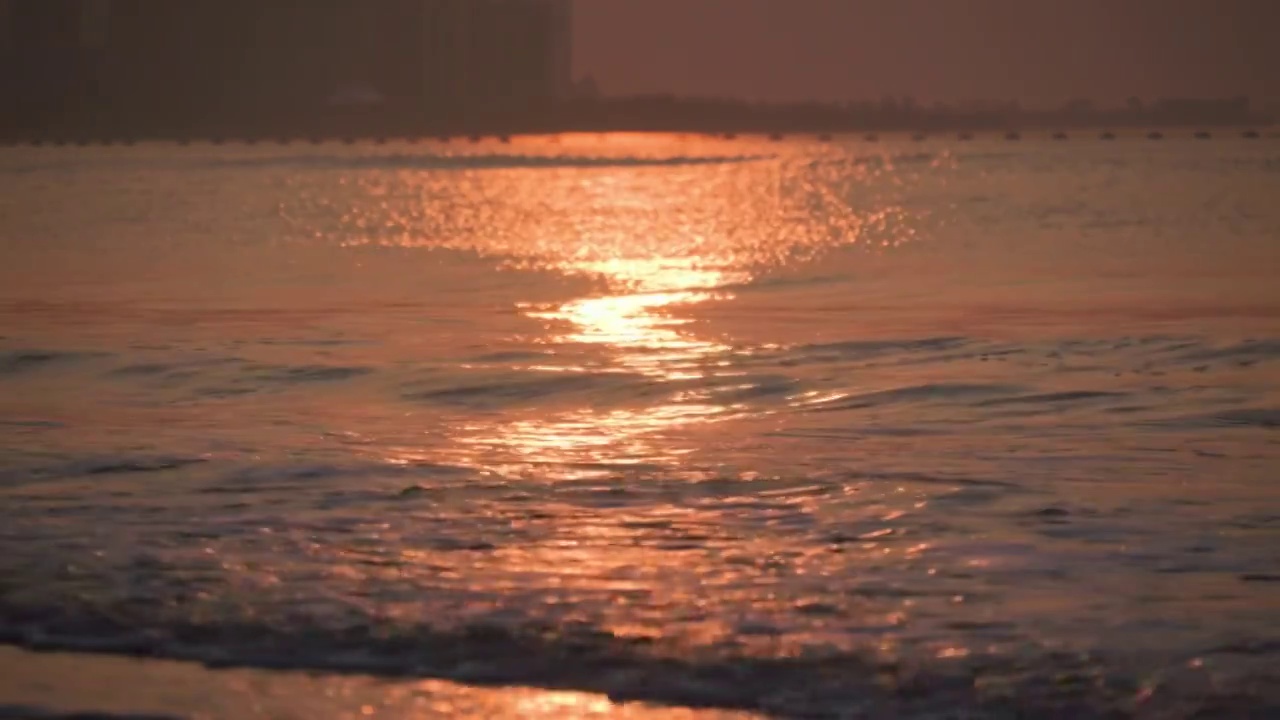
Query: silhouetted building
{"x": 49, "y": 57}
{"x": 188, "y": 64}
{"x": 496, "y": 56}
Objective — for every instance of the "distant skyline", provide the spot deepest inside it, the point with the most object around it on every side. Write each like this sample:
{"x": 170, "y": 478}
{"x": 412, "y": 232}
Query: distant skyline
{"x": 1042, "y": 52}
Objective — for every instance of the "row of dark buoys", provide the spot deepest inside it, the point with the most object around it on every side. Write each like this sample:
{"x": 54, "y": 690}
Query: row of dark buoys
{"x": 1011, "y": 136}
{"x": 63, "y": 141}
{"x": 476, "y": 138}
{"x": 1059, "y": 135}
{"x": 250, "y": 141}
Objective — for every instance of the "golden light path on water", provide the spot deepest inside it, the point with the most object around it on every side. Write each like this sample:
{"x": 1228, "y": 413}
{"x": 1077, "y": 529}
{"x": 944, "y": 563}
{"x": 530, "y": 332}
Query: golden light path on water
{"x": 674, "y": 432}
{"x": 641, "y": 431}
{"x": 660, "y": 244}
{"x": 633, "y": 257}
{"x": 641, "y": 334}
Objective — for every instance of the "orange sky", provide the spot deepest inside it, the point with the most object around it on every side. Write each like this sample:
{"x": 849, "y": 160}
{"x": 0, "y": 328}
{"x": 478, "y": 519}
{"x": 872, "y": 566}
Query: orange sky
{"x": 1042, "y": 51}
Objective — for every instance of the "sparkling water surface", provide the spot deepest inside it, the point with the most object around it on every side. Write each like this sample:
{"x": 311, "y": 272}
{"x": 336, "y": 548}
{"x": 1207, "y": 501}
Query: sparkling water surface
{"x": 802, "y": 428}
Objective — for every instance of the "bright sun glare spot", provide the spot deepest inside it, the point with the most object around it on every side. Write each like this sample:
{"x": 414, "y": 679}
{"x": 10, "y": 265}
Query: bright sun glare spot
{"x": 562, "y": 705}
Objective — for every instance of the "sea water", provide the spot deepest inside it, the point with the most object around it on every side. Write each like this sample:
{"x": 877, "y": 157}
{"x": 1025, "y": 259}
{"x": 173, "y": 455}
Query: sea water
{"x": 802, "y": 427}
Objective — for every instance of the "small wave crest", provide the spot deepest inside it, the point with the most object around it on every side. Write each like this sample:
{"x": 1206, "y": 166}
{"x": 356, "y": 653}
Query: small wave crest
{"x": 863, "y": 349}
{"x": 584, "y": 658}
{"x": 481, "y": 161}
{"x": 28, "y": 712}
{"x": 1238, "y": 418}
{"x": 929, "y": 392}
{"x": 21, "y": 361}
{"x": 520, "y": 388}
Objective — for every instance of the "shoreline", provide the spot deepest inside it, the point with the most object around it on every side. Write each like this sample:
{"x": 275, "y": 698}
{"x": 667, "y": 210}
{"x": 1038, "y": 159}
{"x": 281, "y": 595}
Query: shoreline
{"x": 47, "y": 685}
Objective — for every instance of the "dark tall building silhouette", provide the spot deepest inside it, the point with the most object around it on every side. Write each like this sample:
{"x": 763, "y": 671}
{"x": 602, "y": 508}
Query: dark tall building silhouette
{"x": 50, "y": 56}
{"x": 191, "y": 65}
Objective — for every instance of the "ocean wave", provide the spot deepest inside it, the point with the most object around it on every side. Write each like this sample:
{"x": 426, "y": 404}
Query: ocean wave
{"x": 923, "y": 393}
{"x": 1268, "y": 418}
{"x": 1040, "y": 683}
{"x": 373, "y": 161}
{"x": 859, "y": 349}
{"x": 1248, "y": 352}
{"x": 28, "y": 712}
{"x": 480, "y": 161}
{"x": 293, "y": 374}
{"x": 95, "y": 466}
{"x": 1055, "y": 399}
{"x": 888, "y": 159}
{"x": 522, "y": 388}
{"x": 21, "y": 361}
{"x": 228, "y": 377}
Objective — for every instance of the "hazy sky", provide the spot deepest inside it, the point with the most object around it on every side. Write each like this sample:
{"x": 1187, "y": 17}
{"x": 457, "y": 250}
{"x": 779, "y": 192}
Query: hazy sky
{"x": 1042, "y": 51}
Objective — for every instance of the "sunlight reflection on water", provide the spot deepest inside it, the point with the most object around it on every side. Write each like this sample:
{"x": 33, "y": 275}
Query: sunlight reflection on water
{"x": 658, "y": 246}
{"x": 488, "y": 415}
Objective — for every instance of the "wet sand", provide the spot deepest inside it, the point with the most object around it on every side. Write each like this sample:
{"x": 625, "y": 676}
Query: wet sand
{"x": 70, "y": 685}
